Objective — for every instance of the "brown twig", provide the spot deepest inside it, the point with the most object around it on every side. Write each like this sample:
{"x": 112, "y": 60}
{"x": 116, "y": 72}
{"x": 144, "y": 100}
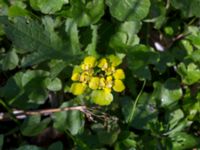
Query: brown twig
{"x": 89, "y": 113}
{"x": 21, "y": 114}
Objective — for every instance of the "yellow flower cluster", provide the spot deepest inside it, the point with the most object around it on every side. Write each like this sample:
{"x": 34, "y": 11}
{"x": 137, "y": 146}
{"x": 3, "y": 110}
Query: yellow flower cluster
{"x": 101, "y": 76}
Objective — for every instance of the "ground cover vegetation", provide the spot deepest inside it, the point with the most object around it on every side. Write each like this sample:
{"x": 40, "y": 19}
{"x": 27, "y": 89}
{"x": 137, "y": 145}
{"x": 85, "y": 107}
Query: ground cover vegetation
{"x": 100, "y": 74}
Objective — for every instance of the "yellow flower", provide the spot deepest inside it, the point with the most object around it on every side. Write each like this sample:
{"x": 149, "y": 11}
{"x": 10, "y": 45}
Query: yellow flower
{"x": 110, "y": 70}
{"x": 102, "y": 83}
{"x": 114, "y": 60}
{"x": 107, "y": 90}
{"x": 75, "y": 76}
{"x": 103, "y": 64}
{"x": 76, "y": 73}
{"x": 94, "y": 83}
{"x": 88, "y": 63}
{"x": 118, "y": 86}
{"x": 101, "y": 76}
{"x": 101, "y": 97}
{"x": 84, "y": 77}
{"x": 78, "y": 88}
{"x": 119, "y": 74}
{"x": 109, "y": 82}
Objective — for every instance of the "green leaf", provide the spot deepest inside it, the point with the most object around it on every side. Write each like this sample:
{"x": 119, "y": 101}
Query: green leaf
{"x": 106, "y": 137}
{"x": 91, "y": 48}
{"x": 105, "y": 32}
{"x": 173, "y": 118}
{"x": 188, "y": 8}
{"x": 56, "y": 67}
{"x": 168, "y": 93}
{"x": 56, "y": 146}
{"x": 194, "y": 37}
{"x": 24, "y": 89}
{"x": 191, "y": 108}
{"x": 10, "y": 60}
{"x": 47, "y": 6}
{"x": 29, "y": 147}
{"x": 101, "y": 97}
{"x": 190, "y": 73}
{"x": 33, "y": 125}
{"x": 72, "y": 120}
{"x": 33, "y": 84}
{"x": 36, "y": 41}
{"x": 50, "y": 26}
{"x": 13, "y": 87}
{"x": 182, "y": 140}
{"x": 127, "y": 106}
{"x": 15, "y": 11}
{"x": 32, "y": 74}
{"x": 126, "y": 140}
{"x": 53, "y": 84}
{"x": 166, "y": 60}
{"x": 72, "y": 32}
{"x": 138, "y": 59}
{"x": 128, "y": 10}
{"x": 144, "y": 114}
{"x": 157, "y": 13}
{"x": 29, "y": 38}
{"x": 36, "y": 94}
{"x": 86, "y": 13}
{"x": 195, "y": 56}
{"x": 125, "y": 36}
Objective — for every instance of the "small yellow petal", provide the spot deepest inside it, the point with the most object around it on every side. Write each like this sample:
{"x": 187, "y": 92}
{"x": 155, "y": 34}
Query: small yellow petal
{"x": 78, "y": 88}
{"x": 94, "y": 83}
{"x": 90, "y": 60}
{"x": 102, "y": 83}
{"x": 103, "y": 64}
{"x": 110, "y": 70}
{"x": 108, "y": 90}
{"x": 102, "y": 97}
{"x": 109, "y": 82}
{"x": 114, "y": 60}
{"x": 119, "y": 74}
{"x": 118, "y": 86}
{"x": 84, "y": 77}
{"x": 85, "y": 67}
{"x": 75, "y": 77}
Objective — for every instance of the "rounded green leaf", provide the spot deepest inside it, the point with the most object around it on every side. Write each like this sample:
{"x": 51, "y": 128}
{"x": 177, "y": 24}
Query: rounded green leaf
{"x": 189, "y": 73}
{"x": 188, "y": 8}
{"x": 125, "y": 36}
{"x": 53, "y": 84}
{"x": 71, "y": 120}
{"x": 183, "y": 140}
{"x": 101, "y": 97}
{"x": 15, "y": 10}
{"x": 56, "y": 146}
{"x": 29, "y": 147}
{"x": 37, "y": 95}
{"x": 168, "y": 93}
{"x": 33, "y": 125}
{"x": 10, "y": 60}
{"x": 47, "y": 6}
{"x": 128, "y": 9}
{"x": 87, "y": 13}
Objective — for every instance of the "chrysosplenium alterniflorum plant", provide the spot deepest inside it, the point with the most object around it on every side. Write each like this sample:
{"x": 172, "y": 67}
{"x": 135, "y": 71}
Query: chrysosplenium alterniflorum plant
{"x": 100, "y": 77}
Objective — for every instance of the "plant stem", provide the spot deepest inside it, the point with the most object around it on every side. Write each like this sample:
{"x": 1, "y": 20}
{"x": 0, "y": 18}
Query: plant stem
{"x": 9, "y": 111}
{"x": 135, "y": 103}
